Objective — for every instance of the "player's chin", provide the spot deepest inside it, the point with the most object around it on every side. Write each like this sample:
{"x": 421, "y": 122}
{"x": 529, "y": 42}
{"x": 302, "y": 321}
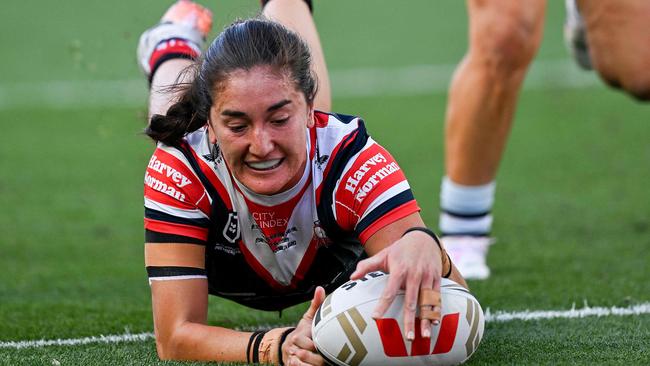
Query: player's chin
{"x": 265, "y": 182}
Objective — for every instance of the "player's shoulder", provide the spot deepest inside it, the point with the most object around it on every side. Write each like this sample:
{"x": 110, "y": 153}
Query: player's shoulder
{"x": 179, "y": 157}
{"x": 167, "y": 159}
{"x": 334, "y": 130}
{"x": 336, "y": 120}
{"x": 170, "y": 177}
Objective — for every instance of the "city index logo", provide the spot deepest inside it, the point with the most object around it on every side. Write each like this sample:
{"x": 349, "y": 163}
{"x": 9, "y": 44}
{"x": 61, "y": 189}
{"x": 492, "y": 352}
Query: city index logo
{"x": 352, "y": 183}
{"x": 179, "y": 179}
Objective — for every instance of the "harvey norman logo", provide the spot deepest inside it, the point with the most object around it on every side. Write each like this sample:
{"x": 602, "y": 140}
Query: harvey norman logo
{"x": 352, "y": 184}
{"x": 160, "y": 186}
{"x": 179, "y": 179}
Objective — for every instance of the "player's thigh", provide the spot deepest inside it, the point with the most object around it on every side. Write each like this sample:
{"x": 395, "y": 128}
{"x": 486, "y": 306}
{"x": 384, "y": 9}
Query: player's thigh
{"x": 618, "y": 34}
{"x": 509, "y": 30}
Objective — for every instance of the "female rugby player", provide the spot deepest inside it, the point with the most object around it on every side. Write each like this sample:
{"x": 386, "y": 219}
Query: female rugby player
{"x": 257, "y": 195}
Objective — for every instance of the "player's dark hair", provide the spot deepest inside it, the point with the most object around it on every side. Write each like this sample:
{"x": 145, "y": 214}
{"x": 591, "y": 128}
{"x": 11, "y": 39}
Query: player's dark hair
{"x": 242, "y": 45}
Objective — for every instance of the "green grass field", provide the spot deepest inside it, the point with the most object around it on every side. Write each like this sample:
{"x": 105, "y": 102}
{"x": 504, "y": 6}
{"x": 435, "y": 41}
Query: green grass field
{"x": 572, "y": 216}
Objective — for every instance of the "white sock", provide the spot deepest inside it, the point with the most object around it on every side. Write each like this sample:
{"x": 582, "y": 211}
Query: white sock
{"x": 466, "y": 210}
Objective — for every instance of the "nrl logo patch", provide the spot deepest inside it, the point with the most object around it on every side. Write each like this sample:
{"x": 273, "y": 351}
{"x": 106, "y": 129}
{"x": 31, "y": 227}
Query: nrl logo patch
{"x": 231, "y": 231}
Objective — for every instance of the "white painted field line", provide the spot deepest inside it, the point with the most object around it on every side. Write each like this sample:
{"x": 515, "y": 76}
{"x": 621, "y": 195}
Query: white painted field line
{"x": 360, "y": 82}
{"x": 434, "y": 79}
{"x": 505, "y": 316}
{"x": 497, "y": 316}
{"x": 113, "y": 338}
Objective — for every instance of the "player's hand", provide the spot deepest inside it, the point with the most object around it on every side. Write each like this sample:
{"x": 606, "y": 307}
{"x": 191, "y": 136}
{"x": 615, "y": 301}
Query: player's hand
{"x": 299, "y": 349}
{"x": 414, "y": 262}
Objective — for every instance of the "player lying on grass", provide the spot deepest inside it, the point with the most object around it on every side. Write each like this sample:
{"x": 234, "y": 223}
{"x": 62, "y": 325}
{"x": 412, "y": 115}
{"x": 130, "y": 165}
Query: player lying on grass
{"x": 255, "y": 196}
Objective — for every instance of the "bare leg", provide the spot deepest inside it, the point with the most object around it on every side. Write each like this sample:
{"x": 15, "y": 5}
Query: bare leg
{"x": 167, "y": 74}
{"x": 618, "y": 34}
{"x": 503, "y": 39}
{"x": 181, "y": 32}
{"x": 295, "y": 15}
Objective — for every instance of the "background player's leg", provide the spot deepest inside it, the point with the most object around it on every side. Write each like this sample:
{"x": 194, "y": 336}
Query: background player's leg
{"x": 618, "y": 34}
{"x": 295, "y": 15}
{"x": 575, "y": 36}
{"x": 166, "y": 49}
{"x": 503, "y": 39}
{"x": 160, "y": 98}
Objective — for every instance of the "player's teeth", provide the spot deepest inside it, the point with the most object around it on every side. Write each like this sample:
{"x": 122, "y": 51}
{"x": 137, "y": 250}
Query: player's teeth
{"x": 264, "y": 164}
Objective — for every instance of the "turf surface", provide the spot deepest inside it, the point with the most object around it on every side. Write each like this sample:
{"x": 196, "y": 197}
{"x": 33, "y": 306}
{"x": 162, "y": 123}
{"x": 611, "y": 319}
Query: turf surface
{"x": 572, "y": 211}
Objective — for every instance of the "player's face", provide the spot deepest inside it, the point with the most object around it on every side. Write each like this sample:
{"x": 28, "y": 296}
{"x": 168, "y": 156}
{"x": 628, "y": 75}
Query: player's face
{"x": 259, "y": 119}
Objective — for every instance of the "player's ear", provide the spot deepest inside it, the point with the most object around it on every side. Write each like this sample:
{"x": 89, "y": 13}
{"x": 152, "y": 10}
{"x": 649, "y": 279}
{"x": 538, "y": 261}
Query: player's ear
{"x": 212, "y": 135}
{"x": 310, "y": 115}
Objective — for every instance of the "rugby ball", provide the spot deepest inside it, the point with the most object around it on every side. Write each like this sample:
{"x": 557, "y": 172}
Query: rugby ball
{"x": 345, "y": 333}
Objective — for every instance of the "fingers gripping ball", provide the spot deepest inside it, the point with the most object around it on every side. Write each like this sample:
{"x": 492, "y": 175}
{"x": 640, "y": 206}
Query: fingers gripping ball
{"x": 345, "y": 333}
{"x": 429, "y": 304}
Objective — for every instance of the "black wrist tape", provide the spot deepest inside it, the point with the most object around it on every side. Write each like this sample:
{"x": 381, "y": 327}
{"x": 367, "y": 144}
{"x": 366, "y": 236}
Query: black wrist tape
{"x": 282, "y": 339}
{"x": 426, "y": 231}
{"x": 252, "y": 340}
{"x": 435, "y": 238}
{"x": 256, "y": 347}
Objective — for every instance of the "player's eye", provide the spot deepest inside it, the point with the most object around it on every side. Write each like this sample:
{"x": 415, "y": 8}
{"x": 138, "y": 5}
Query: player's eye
{"x": 237, "y": 128}
{"x": 280, "y": 121}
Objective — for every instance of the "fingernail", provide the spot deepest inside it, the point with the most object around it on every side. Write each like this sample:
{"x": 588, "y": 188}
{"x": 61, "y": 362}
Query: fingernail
{"x": 375, "y": 315}
{"x": 426, "y": 333}
{"x": 436, "y": 322}
{"x": 410, "y": 335}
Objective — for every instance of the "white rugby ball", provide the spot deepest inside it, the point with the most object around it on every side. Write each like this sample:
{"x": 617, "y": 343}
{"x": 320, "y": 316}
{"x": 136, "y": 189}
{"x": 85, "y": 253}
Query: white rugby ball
{"x": 346, "y": 335}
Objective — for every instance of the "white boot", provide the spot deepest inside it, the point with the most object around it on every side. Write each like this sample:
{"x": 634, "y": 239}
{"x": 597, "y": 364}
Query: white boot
{"x": 185, "y": 22}
{"x": 469, "y": 254}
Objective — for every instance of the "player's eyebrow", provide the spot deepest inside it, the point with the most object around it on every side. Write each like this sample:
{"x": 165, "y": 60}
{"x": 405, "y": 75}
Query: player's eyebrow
{"x": 276, "y": 106}
{"x": 229, "y": 113}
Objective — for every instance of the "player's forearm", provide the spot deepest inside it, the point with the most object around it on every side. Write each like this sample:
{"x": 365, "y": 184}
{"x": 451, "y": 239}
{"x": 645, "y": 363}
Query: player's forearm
{"x": 194, "y": 341}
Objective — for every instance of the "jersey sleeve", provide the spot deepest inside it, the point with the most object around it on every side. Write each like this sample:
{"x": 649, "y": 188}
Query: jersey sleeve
{"x": 176, "y": 204}
{"x": 372, "y": 192}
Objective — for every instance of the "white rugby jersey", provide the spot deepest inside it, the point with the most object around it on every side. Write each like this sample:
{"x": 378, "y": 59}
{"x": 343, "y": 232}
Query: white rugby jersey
{"x": 260, "y": 249}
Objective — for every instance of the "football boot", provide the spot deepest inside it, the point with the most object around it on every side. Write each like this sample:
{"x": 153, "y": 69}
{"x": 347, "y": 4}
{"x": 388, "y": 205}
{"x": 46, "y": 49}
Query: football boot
{"x": 469, "y": 254}
{"x": 181, "y": 33}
